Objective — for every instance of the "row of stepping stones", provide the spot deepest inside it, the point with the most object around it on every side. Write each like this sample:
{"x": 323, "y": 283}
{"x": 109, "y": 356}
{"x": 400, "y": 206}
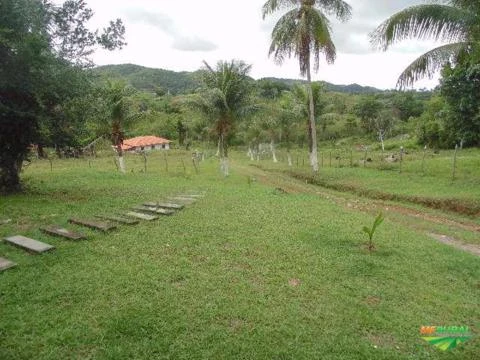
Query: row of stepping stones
{"x": 148, "y": 211}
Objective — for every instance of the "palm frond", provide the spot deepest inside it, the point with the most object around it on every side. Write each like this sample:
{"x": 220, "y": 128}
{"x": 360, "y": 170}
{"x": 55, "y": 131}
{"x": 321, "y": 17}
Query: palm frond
{"x": 272, "y": 6}
{"x": 301, "y": 32}
{"x": 432, "y": 61}
{"x": 284, "y": 37}
{"x": 321, "y": 41}
{"x": 432, "y": 21}
{"x": 473, "y": 5}
{"x": 339, "y": 8}
{"x": 224, "y": 96}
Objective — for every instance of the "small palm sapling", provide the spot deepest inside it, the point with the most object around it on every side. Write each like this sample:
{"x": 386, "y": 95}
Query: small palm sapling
{"x": 371, "y": 231}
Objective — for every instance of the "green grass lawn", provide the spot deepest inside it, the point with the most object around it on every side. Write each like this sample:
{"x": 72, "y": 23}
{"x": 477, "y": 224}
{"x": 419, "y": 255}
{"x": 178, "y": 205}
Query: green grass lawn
{"x": 247, "y": 272}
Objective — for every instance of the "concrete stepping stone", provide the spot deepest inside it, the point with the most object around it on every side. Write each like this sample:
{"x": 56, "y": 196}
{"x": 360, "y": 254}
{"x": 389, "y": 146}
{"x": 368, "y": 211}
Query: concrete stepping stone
{"x": 59, "y": 231}
{"x": 195, "y": 196}
{"x": 102, "y": 226}
{"x": 6, "y": 264}
{"x": 118, "y": 219}
{"x": 182, "y": 199}
{"x": 141, "y": 216}
{"x": 165, "y": 205}
{"x": 28, "y": 244}
{"x": 159, "y": 211}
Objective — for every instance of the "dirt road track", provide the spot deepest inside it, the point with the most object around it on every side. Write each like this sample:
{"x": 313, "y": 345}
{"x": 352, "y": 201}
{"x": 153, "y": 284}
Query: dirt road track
{"x": 408, "y": 216}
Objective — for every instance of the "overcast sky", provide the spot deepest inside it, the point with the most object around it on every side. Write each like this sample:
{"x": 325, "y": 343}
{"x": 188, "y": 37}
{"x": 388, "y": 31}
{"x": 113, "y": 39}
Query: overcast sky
{"x": 179, "y": 34}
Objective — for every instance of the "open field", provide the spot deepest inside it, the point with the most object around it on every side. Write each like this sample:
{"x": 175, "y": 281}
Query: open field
{"x": 423, "y": 180}
{"x": 263, "y": 267}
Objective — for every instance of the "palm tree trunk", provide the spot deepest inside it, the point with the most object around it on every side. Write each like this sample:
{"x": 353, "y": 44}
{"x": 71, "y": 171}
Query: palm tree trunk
{"x": 121, "y": 160}
{"x": 222, "y": 147}
{"x": 311, "y": 114}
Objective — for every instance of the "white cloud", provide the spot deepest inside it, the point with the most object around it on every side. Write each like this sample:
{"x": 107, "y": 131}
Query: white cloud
{"x": 178, "y": 35}
{"x": 193, "y": 44}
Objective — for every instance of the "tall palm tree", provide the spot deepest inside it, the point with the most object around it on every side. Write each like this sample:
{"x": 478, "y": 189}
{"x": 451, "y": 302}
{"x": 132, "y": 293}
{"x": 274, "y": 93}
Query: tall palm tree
{"x": 305, "y": 30}
{"x": 225, "y": 97}
{"x": 452, "y": 21}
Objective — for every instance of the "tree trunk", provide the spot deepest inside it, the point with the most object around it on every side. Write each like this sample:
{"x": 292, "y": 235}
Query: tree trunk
{"x": 289, "y": 158}
{"x": 380, "y": 136}
{"x": 41, "y": 152}
{"x": 222, "y": 147}
{"x": 311, "y": 114}
{"x": 218, "y": 146}
{"x": 121, "y": 160}
{"x": 10, "y": 174}
{"x": 250, "y": 153}
{"x": 272, "y": 149}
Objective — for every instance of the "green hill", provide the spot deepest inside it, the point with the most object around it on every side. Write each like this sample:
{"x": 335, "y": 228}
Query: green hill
{"x": 349, "y": 89}
{"x": 149, "y": 79}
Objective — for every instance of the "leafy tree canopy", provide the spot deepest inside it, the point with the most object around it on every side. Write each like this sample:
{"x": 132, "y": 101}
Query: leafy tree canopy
{"x": 40, "y": 43}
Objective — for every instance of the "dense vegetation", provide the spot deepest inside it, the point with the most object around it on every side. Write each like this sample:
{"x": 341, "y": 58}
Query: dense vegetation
{"x": 166, "y": 81}
{"x": 43, "y": 51}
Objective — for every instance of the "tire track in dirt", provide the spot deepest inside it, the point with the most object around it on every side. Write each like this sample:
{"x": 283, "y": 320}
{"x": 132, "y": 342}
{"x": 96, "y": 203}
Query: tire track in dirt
{"x": 406, "y": 216}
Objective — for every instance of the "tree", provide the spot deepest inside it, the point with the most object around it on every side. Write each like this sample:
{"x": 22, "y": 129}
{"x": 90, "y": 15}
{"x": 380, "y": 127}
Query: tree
{"x": 117, "y": 113}
{"x": 431, "y": 124}
{"x": 289, "y": 117}
{"x": 460, "y": 87}
{"x": 408, "y": 104}
{"x": 270, "y": 89}
{"x": 65, "y": 103}
{"x": 455, "y": 22}
{"x": 375, "y": 117}
{"x": 37, "y": 41}
{"x": 368, "y": 109}
{"x": 383, "y": 124}
{"x": 303, "y": 101}
{"x": 224, "y": 98}
{"x": 305, "y": 30}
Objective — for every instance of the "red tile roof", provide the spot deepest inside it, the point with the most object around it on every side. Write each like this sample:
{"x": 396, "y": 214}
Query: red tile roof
{"x": 142, "y": 141}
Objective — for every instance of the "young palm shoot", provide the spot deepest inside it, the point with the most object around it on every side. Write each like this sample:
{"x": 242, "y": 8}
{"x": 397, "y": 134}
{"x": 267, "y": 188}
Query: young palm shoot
{"x": 371, "y": 231}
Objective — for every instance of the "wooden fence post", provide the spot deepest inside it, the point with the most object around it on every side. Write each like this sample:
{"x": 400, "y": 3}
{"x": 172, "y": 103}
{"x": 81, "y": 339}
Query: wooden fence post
{"x": 401, "y": 158}
{"x": 455, "y": 162}
{"x": 423, "y": 159}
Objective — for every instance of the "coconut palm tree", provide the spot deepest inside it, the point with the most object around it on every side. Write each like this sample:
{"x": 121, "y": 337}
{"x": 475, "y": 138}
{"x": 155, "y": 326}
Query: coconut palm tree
{"x": 224, "y": 98}
{"x": 452, "y": 21}
{"x": 305, "y": 31}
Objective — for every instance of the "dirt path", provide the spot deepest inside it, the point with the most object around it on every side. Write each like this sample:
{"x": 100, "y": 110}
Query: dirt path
{"x": 410, "y": 217}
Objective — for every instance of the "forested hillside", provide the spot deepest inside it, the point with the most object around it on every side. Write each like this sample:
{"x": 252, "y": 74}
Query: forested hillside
{"x": 149, "y": 79}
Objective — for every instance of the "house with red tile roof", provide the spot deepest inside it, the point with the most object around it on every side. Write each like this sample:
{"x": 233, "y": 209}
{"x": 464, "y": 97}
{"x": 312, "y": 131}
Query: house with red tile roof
{"x": 146, "y": 143}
